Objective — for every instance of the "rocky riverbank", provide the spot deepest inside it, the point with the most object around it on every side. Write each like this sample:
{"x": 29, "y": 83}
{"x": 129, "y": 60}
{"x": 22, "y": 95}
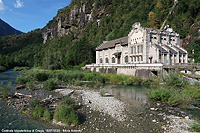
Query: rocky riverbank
{"x": 107, "y": 111}
{"x": 107, "y": 114}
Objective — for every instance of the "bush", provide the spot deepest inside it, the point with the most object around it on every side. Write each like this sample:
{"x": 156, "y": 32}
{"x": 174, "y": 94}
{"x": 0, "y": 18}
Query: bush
{"x": 47, "y": 115}
{"x": 69, "y": 102}
{"x": 50, "y": 84}
{"x": 179, "y": 99}
{"x": 137, "y": 81}
{"x": 5, "y": 90}
{"x": 159, "y": 94}
{"x": 195, "y": 127}
{"x": 41, "y": 75}
{"x": 173, "y": 80}
{"x": 23, "y": 78}
{"x": 2, "y": 68}
{"x": 34, "y": 103}
{"x": 30, "y": 86}
{"x": 38, "y": 111}
{"x": 66, "y": 115}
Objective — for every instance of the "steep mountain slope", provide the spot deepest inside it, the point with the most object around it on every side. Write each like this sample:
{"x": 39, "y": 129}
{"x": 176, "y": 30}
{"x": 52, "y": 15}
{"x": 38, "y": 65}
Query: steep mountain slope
{"x": 74, "y": 33}
{"x": 6, "y": 29}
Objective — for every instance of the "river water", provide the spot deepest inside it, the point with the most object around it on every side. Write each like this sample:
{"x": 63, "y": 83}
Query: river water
{"x": 10, "y": 119}
{"x": 134, "y": 96}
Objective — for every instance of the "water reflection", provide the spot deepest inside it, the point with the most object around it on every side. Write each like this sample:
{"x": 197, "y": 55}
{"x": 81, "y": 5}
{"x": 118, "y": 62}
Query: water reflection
{"x": 134, "y": 95}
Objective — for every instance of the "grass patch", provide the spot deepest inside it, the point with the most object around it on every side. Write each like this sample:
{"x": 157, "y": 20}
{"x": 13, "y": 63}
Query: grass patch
{"x": 102, "y": 92}
{"x": 47, "y": 115}
{"x": 195, "y": 127}
{"x": 5, "y": 90}
{"x": 38, "y": 111}
{"x": 65, "y": 112}
{"x": 21, "y": 68}
{"x": 50, "y": 84}
{"x": 174, "y": 90}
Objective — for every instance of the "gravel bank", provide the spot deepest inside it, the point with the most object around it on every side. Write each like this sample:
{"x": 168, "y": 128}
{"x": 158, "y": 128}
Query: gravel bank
{"x": 177, "y": 124}
{"x": 92, "y": 99}
{"x": 108, "y": 105}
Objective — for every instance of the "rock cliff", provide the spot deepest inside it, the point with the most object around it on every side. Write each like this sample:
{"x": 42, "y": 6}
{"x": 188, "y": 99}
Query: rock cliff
{"x": 65, "y": 22}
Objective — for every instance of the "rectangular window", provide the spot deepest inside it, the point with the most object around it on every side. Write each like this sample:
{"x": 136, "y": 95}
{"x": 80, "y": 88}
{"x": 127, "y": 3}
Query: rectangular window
{"x": 134, "y": 50}
{"x": 138, "y": 49}
{"x": 141, "y": 58}
{"x": 141, "y": 48}
{"x": 131, "y": 50}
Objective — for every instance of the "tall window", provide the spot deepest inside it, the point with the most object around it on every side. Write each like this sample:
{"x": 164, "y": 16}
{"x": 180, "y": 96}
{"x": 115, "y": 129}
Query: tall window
{"x": 141, "y": 58}
{"x": 107, "y": 61}
{"x": 138, "y": 49}
{"x": 126, "y": 59}
{"x": 131, "y": 50}
{"x": 141, "y": 48}
{"x": 113, "y": 59}
{"x": 134, "y": 50}
{"x": 101, "y": 60}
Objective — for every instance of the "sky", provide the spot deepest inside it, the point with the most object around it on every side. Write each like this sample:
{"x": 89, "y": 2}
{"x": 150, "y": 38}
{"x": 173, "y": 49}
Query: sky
{"x": 27, "y": 15}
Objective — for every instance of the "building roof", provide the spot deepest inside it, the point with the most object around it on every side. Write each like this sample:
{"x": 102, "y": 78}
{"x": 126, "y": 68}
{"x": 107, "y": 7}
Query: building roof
{"x": 180, "y": 50}
{"x": 171, "y": 50}
{"x": 160, "y": 48}
{"x": 111, "y": 44}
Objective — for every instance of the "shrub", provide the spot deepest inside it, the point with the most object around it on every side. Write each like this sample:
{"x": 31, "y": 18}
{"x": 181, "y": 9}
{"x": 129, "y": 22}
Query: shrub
{"x": 193, "y": 91}
{"x": 23, "y": 78}
{"x": 195, "y": 127}
{"x": 40, "y": 75}
{"x": 173, "y": 80}
{"x": 2, "y": 68}
{"x": 69, "y": 102}
{"x": 50, "y": 84}
{"x": 66, "y": 115}
{"x": 23, "y": 110}
{"x": 30, "y": 86}
{"x": 179, "y": 99}
{"x": 34, "y": 103}
{"x": 137, "y": 81}
{"x": 129, "y": 81}
{"x": 159, "y": 94}
{"x": 38, "y": 111}
{"x": 47, "y": 115}
{"x": 5, "y": 90}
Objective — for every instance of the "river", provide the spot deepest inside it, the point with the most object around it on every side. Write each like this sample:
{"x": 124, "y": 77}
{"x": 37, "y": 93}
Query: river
{"x": 139, "y": 114}
{"x": 12, "y": 119}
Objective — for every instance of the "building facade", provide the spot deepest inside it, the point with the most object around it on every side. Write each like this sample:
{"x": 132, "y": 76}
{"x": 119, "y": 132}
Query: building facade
{"x": 143, "y": 45}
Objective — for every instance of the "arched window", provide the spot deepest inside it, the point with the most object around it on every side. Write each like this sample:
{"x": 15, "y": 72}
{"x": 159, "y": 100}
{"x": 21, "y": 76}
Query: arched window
{"x": 107, "y": 61}
{"x": 113, "y": 59}
{"x": 101, "y": 60}
{"x": 126, "y": 59}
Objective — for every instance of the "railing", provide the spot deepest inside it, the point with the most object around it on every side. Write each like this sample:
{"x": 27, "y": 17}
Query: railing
{"x": 126, "y": 65}
{"x": 187, "y": 64}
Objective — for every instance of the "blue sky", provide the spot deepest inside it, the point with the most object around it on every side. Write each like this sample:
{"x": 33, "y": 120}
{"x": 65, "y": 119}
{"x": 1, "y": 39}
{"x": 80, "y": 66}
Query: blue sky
{"x": 27, "y": 15}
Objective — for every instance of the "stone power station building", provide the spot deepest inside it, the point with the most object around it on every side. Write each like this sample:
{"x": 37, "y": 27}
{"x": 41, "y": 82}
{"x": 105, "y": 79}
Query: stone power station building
{"x": 143, "y": 52}
{"x": 143, "y": 45}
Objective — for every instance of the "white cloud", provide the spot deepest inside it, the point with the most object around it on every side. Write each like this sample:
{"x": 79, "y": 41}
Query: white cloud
{"x": 2, "y": 6}
{"x": 18, "y": 4}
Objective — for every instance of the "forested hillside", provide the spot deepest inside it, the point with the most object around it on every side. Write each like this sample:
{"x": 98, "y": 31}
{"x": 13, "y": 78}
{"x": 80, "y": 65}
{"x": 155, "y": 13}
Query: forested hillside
{"x": 74, "y": 33}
